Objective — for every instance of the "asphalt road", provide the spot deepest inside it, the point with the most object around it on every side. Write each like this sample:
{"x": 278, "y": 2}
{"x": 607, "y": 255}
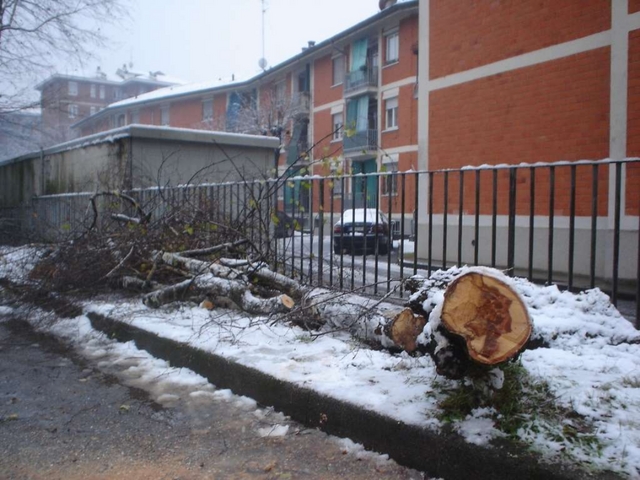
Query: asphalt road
{"x": 63, "y": 418}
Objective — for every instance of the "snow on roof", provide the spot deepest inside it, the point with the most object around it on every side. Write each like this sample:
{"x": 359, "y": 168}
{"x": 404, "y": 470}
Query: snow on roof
{"x": 172, "y": 91}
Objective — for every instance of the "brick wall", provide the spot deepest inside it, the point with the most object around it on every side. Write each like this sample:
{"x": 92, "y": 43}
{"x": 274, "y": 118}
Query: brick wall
{"x": 634, "y": 6}
{"x": 407, "y": 65}
{"x": 633, "y": 124}
{"x": 554, "y": 111}
{"x": 323, "y": 91}
{"x": 468, "y": 34}
{"x": 407, "y": 132}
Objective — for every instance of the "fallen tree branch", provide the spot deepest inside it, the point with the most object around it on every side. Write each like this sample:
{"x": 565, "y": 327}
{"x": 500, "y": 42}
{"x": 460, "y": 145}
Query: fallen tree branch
{"x": 211, "y": 250}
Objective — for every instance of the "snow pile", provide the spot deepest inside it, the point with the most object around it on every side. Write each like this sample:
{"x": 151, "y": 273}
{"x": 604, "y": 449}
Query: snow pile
{"x": 17, "y": 262}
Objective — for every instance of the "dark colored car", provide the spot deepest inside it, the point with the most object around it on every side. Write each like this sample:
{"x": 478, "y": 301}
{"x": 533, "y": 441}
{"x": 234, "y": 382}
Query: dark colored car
{"x": 360, "y": 230}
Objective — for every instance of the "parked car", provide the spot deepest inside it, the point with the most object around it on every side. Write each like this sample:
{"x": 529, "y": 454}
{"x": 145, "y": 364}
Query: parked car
{"x": 362, "y": 229}
{"x": 285, "y": 225}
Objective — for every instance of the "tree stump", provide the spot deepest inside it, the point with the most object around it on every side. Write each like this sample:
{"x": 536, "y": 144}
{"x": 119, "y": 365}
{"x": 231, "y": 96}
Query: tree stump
{"x": 488, "y": 315}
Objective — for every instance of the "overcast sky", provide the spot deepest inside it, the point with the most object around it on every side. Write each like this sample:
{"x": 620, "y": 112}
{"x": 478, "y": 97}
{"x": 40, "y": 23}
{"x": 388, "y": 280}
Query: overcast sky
{"x": 203, "y": 40}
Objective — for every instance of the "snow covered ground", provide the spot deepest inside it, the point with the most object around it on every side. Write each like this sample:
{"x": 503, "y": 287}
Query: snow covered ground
{"x": 590, "y": 361}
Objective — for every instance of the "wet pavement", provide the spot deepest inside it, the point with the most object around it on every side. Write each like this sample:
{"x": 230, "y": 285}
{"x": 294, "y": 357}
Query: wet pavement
{"x": 63, "y": 417}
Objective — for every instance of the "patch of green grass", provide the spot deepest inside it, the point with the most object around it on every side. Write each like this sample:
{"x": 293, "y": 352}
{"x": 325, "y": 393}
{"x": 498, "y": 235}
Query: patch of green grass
{"x": 522, "y": 404}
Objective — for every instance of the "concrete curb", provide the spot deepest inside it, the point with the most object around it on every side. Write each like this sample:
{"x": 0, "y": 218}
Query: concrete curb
{"x": 444, "y": 454}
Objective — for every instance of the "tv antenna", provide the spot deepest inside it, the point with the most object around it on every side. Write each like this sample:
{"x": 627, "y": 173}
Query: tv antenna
{"x": 262, "y": 63}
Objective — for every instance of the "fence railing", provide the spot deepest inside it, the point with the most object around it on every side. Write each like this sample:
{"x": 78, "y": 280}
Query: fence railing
{"x": 366, "y": 77}
{"x": 570, "y": 224}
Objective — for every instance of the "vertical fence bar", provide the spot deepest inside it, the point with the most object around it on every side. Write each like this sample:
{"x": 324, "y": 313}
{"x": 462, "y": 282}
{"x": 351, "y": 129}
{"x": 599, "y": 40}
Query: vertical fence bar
{"x": 511, "y": 246}
{"x": 271, "y": 231}
{"x": 417, "y": 230}
{"x": 353, "y": 231}
{"x": 394, "y": 184}
{"x": 532, "y": 213}
{"x": 321, "y": 231}
{"x": 366, "y": 217}
{"x": 331, "y": 240}
{"x": 572, "y": 225}
{"x": 460, "y": 212}
{"x": 594, "y": 224}
{"x": 444, "y": 219}
{"x": 376, "y": 261}
{"x": 494, "y": 217}
{"x": 342, "y": 219}
{"x": 638, "y": 275}
{"x": 301, "y": 214}
{"x": 616, "y": 235}
{"x": 430, "y": 232}
{"x": 312, "y": 228}
{"x": 476, "y": 235}
{"x": 402, "y": 219}
{"x": 552, "y": 192}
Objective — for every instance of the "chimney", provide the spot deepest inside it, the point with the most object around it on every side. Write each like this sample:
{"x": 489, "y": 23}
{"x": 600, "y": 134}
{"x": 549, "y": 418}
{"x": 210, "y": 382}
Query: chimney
{"x": 383, "y": 4}
{"x": 311, "y": 43}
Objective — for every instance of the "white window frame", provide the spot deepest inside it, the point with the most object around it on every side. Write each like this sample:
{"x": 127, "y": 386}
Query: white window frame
{"x": 164, "y": 115}
{"x": 135, "y": 116}
{"x": 390, "y": 182}
{"x": 337, "y": 132}
{"x": 72, "y": 88}
{"x": 103, "y": 92}
{"x": 392, "y": 50}
{"x": 207, "y": 110}
{"x": 335, "y": 165}
{"x": 92, "y": 89}
{"x": 391, "y": 113}
{"x": 72, "y": 110}
{"x": 121, "y": 120}
{"x": 340, "y": 71}
{"x": 93, "y": 110}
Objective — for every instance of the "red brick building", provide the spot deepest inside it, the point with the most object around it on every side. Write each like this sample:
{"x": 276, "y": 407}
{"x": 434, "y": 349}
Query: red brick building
{"x": 66, "y": 99}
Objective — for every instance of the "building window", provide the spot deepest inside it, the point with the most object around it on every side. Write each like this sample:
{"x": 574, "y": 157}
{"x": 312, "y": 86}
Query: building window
{"x": 92, "y": 110}
{"x": 73, "y": 89}
{"x": 338, "y": 69}
{"x": 393, "y": 44}
{"x": 135, "y": 116}
{"x": 281, "y": 91}
{"x": 93, "y": 91}
{"x": 391, "y": 113}
{"x": 390, "y": 182}
{"x": 102, "y": 92}
{"x": 117, "y": 94}
{"x": 122, "y": 120}
{"x": 337, "y": 170}
{"x": 73, "y": 111}
{"x": 207, "y": 110}
{"x": 337, "y": 122}
{"x": 164, "y": 116}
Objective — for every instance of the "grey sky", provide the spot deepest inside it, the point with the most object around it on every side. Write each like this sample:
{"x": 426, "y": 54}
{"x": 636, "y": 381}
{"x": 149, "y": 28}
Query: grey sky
{"x": 201, "y": 40}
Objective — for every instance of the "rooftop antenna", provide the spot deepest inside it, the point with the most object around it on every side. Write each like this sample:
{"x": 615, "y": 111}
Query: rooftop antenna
{"x": 262, "y": 63}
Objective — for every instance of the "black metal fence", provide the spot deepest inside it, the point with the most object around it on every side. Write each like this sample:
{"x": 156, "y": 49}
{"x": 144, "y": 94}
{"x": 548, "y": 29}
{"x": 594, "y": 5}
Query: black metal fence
{"x": 574, "y": 224}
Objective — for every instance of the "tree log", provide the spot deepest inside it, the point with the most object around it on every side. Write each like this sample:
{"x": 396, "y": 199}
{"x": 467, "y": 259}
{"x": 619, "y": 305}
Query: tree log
{"x": 375, "y": 322}
{"x": 488, "y": 315}
{"x": 211, "y": 286}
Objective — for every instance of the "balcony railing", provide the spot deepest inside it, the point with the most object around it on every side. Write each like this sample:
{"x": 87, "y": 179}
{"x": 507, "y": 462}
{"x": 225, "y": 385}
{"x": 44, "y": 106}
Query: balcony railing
{"x": 301, "y": 103}
{"x": 367, "y": 77}
{"x": 365, "y": 141}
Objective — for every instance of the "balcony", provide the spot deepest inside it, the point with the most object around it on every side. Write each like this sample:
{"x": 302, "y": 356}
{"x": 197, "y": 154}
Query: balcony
{"x": 359, "y": 81}
{"x": 360, "y": 144}
{"x": 301, "y": 103}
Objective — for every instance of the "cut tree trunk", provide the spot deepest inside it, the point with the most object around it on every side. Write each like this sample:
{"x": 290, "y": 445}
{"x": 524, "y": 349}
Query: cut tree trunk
{"x": 379, "y": 323}
{"x": 488, "y": 315}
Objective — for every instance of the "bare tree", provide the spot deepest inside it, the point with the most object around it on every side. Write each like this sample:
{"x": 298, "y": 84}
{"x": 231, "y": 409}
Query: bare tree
{"x": 36, "y": 34}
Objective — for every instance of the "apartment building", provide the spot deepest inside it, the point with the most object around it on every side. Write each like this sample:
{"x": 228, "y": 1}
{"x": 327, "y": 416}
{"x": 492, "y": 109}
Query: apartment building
{"x": 67, "y": 99}
{"x": 346, "y": 104}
